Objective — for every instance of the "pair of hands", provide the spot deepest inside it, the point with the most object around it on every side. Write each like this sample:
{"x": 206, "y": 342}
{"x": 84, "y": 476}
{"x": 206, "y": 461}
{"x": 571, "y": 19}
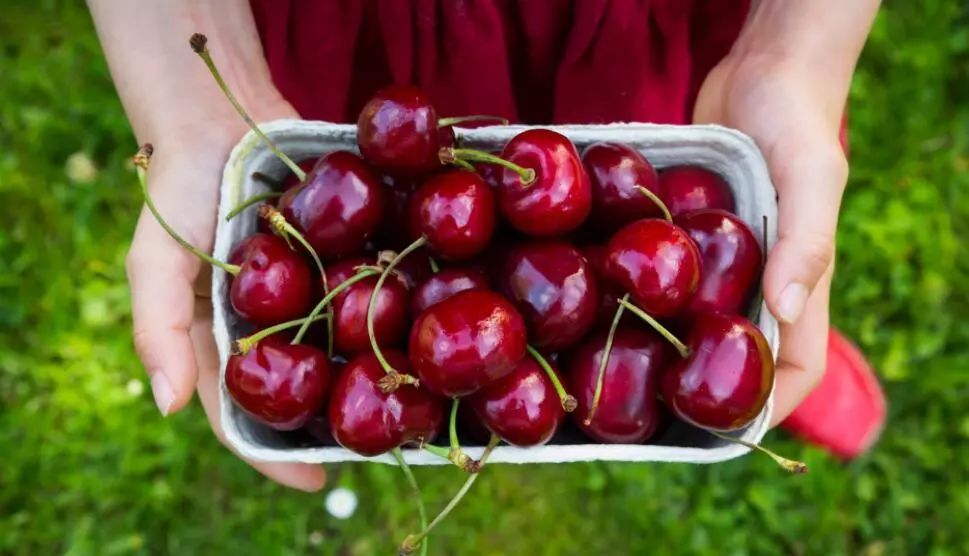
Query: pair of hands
{"x": 772, "y": 99}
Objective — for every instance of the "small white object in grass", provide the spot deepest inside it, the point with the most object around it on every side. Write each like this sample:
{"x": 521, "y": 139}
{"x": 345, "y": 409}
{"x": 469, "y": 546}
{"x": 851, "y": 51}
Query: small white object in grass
{"x": 341, "y": 503}
{"x": 80, "y": 168}
{"x": 316, "y": 538}
{"x": 135, "y": 387}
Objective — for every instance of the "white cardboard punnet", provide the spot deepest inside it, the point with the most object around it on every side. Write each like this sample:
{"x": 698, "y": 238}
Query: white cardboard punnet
{"x": 725, "y": 151}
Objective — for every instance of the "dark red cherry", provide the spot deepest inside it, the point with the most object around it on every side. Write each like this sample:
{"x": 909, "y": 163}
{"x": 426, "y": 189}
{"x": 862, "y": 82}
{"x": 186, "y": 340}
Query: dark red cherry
{"x": 657, "y": 263}
{"x": 350, "y": 309}
{"x": 522, "y": 408}
{"x": 338, "y": 208}
{"x": 727, "y": 378}
{"x": 615, "y": 171}
{"x": 397, "y": 131}
{"x": 455, "y": 212}
{"x": 686, "y": 188}
{"x": 731, "y": 259}
{"x": 628, "y": 411}
{"x": 554, "y": 289}
{"x": 443, "y": 285}
{"x": 274, "y": 284}
{"x": 292, "y": 180}
{"x": 279, "y": 384}
{"x": 393, "y": 230}
{"x": 367, "y": 421}
{"x": 559, "y": 199}
{"x": 466, "y": 341}
{"x": 609, "y": 293}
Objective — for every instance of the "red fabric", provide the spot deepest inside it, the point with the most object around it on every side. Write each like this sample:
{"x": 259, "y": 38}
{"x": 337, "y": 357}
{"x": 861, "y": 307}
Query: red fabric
{"x": 550, "y": 61}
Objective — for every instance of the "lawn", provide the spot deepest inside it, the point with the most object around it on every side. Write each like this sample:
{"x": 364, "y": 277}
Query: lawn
{"x": 88, "y": 467}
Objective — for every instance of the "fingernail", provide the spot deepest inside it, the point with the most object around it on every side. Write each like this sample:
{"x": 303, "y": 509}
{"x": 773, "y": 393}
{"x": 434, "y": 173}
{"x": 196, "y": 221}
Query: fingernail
{"x": 162, "y": 390}
{"x": 791, "y": 303}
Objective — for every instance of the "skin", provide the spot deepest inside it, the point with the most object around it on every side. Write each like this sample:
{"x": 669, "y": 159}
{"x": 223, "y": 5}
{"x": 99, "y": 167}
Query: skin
{"x": 781, "y": 60}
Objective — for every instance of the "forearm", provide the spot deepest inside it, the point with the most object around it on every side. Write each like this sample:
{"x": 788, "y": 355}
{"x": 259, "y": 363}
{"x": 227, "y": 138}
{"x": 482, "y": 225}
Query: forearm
{"x": 166, "y": 90}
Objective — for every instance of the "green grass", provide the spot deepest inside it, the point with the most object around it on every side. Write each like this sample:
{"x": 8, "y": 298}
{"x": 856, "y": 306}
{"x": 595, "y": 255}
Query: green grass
{"x": 88, "y": 467}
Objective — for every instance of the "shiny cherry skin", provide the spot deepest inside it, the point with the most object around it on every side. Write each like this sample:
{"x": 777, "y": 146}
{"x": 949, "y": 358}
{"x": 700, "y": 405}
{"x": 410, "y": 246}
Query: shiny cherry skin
{"x": 444, "y": 284}
{"x": 727, "y": 379}
{"x": 615, "y": 170}
{"x": 560, "y": 198}
{"x": 455, "y": 212}
{"x": 609, "y": 293}
{"x": 350, "y": 309}
{"x": 275, "y": 283}
{"x": 657, "y": 263}
{"x": 466, "y": 341}
{"x": 686, "y": 188}
{"x": 365, "y": 420}
{"x": 521, "y": 408}
{"x": 554, "y": 288}
{"x": 731, "y": 260}
{"x": 339, "y": 206}
{"x": 397, "y": 131}
{"x": 279, "y": 384}
{"x": 629, "y": 409}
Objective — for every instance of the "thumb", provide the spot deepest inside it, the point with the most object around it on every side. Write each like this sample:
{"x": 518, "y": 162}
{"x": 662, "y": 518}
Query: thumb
{"x": 810, "y": 175}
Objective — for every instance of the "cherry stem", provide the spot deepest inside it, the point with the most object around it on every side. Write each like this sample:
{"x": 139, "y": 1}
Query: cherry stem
{"x": 456, "y": 455}
{"x": 680, "y": 346}
{"x": 141, "y": 161}
{"x": 450, "y": 155}
{"x": 329, "y": 297}
{"x": 244, "y": 344}
{"x": 568, "y": 400}
{"x": 394, "y": 378}
{"x": 464, "y": 165}
{"x": 435, "y": 268}
{"x": 265, "y": 179}
{"x": 445, "y": 122}
{"x": 257, "y": 198}
{"x": 659, "y": 202}
{"x": 412, "y": 541}
{"x": 198, "y": 43}
{"x": 604, "y": 362}
{"x": 412, "y": 481}
{"x": 790, "y": 465}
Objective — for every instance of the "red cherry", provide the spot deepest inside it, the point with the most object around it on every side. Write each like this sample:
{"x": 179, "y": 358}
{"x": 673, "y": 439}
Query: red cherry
{"x": 282, "y": 385}
{"x": 338, "y": 208}
{"x": 393, "y": 230}
{"x": 616, "y": 171}
{"x": 368, "y": 421}
{"x": 686, "y": 188}
{"x": 466, "y": 341}
{"x": 554, "y": 288}
{"x": 522, "y": 408}
{"x": 609, "y": 293}
{"x": 292, "y": 180}
{"x": 444, "y": 284}
{"x": 350, "y": 309}
{"x": 455, "y": 212}
{"x": 657, "y": 263}
{"x": 726, "y": 380}
{"x": 397, "y": 131}
{"x": 628, "y": 411}
{"x": 731, "y": 259}
{"x": 560, "y": 197}
{"x": 274, "y": 284}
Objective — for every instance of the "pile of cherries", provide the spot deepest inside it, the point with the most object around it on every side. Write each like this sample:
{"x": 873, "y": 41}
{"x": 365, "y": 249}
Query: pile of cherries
{"x": 529, "y": 285}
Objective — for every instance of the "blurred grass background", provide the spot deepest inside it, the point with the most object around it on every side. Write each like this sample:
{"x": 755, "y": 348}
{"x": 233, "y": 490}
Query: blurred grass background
{"x": 88, "y": 467}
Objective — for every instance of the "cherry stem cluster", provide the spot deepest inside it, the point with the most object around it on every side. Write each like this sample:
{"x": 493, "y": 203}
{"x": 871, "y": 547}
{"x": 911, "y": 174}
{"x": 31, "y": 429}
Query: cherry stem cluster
{"x": 450, "y": 155}
{"x": 328, "y": 298}
{"x": 680, "y": 346}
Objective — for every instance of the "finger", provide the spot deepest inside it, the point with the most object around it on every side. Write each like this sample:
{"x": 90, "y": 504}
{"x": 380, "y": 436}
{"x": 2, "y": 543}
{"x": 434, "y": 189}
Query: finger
{"x": 803, "y": 355}
{"x": 301, "y": 476}
{"x": 809, "y": 171}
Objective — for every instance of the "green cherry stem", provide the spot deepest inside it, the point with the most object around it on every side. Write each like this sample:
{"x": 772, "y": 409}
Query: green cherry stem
{"x": 680, "y": 346}
{"x": 412, "y": 481}
{"x": 659, "y": 202}
{"x": 789, "y": 465}
{"x": 568, "y": 400}
{"x": 449, "y": 155}
{"x": 435, "y": 268}
{"x": 198, "y": 43}
{"x": 604, "y": 362}
{"x": 141, "y": 161}
{"x": 463, "y": 164}
{"x": 244, "y": 344}
{"x": 257, "y": 198}
{"x": 329, "y": 297}
{"x": 455, "y": 454}
{"x": 445, "y": 122}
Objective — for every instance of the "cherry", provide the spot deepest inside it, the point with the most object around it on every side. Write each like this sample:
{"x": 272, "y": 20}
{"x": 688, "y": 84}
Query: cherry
{"x": 560, "y": 197}
{"x": 686, "y": 188}
{"x": 281, "y": 385}
{"x": 616, "y": 171}
{"x": 628, "y": 410}
{"x": 657, "y": 263}
{"x": 554, "y": 289}
{"x": 522, "y": 408}
{"x": 444, "y": 284}
{"x": 339, "y": 206}
{"x": 369, "y": 421}
{"x": 731, "y": 259}
{"x": 466, "y": 341}
{"x": 454, "y": 212}
{"x": 609, "y": 293}
{"x": 393, "y": 230}
{"x": 274, "y": 283}
{"x": 397, "y": 131}
{"x": 350, "y": 309}
{"x": 725, "y": 381}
